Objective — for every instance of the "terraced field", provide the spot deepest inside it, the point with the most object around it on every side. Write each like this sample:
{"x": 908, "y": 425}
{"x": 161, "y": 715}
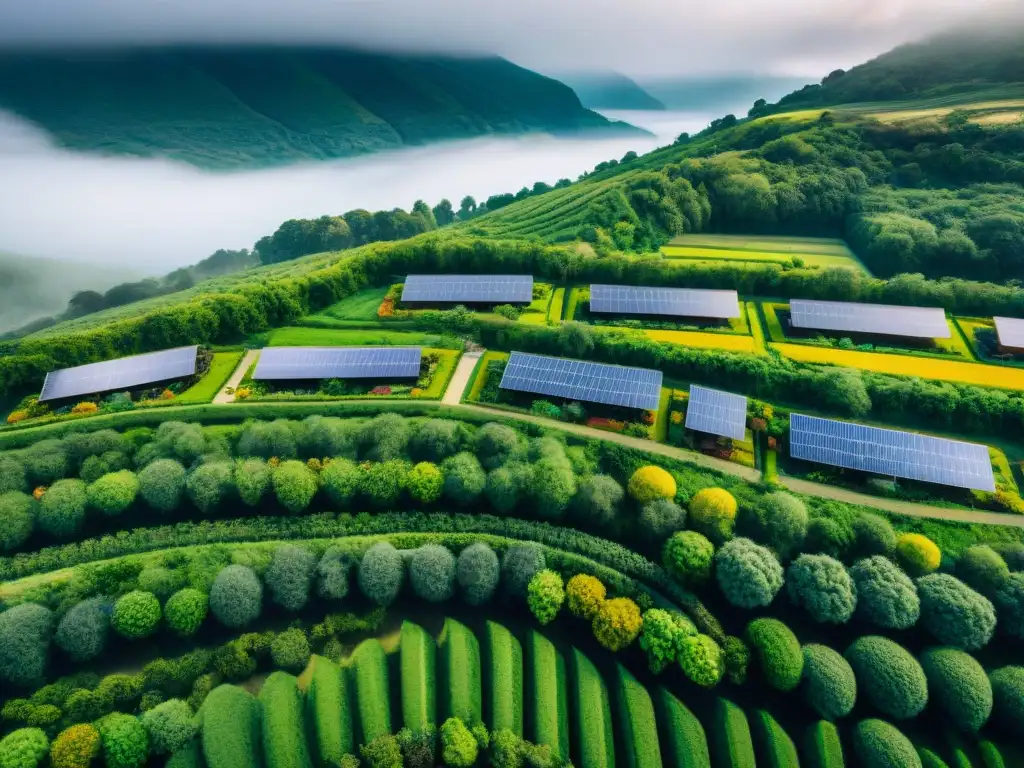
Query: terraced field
{"x": 813, "y": 252}
{"x": 726, "y": 341}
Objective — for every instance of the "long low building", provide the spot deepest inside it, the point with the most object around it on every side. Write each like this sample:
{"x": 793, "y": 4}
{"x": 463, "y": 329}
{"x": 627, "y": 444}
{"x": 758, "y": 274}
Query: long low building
{"x": 678, "y": 302}
{"x": 121, "y": 375}
{"x": 308, "y": 363}
{"x": 881, "y": 319}
{"x": 468, "y": 289}
{"x": 1010, "y": 331}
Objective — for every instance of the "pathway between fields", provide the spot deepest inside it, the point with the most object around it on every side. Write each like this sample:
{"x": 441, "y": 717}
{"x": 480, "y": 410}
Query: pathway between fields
{"x": 460, "y": 379}
{"x": 236, "y": 378}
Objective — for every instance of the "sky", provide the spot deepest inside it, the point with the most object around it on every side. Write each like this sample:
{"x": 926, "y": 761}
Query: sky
{"x": 641, "y": 38}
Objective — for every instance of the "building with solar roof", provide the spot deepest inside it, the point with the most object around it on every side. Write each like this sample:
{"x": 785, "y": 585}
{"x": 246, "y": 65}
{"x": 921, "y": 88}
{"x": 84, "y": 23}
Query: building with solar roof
{"x": 284, "y": 364}
{"x": 1010, "y": 332}
{"x": 421, "y": 291}
{"x": 869, "y": 319}
{"x": 717, "y": 413}
{"x": 664, "y": 302}
{"x": 153, "y": 370}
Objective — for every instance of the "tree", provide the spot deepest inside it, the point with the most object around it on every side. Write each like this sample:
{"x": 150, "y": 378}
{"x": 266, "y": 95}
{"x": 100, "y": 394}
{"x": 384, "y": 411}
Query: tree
{"x": 518, "y": 567}
{"x": 464, "y": 478}
{"x": 289, "y": 577}
{"x": 829, "y": 685}
{"x": 917, "y": 554}
{"x": 701, "y": 660}
{"x": 885, "y": 595}
{"x": 125, "y": 741}
{"x": 650, "y": 483}
{"x": 617, "y": 623}
{"x": 545, "y": 596}
{"x": 584, "y": 594}
{"x": 170, "y": 725}
{"x": 661, "y": 637}
{"x": 75, "y": 747}
{"x": 295, "y": 485}
{"x": 467, "y": 207}
{"x": 508, "y": 486}
{"x": 25, "y": 632}
{"x": 778, "y": 520}
{"x": 82, "y": 632}
{"x": 553, "y": 485}
{"x": 186, "y": 610}
{"x": 136, "y": 614}
{"x": 748, "y": 574}
{"x": 62, "y": 509}
{"x": 17, "y": 518}
{"x": 432, "y": 573}
{"x": 210, "y": 483}
{"x": 340, "y": 480}
{"x": 236, "y": 597}
{"x": 290, "y": 650}
{"x": 114, "y": 493}
{"x": 161, "y": 484}
{"x": 983, "y": 569}
{"x": 381, "y": 573}
{"x": 443, "y": 213}
{"x": 689, "y": 556}
{"x": 477, "y": 573}
{"x": 954, "y": 613}
{"x": 437, "y": 439}
{"x": 1008, "y": 696}
{"x": 890, "y": 677}
{"x": 823, "y": 587}
{"x": 959, "y": 686}
{"x": 713, "y": 514}
{"x": 778, "y": 652}
{"x": 382, "y": 483}
{"x": 252, "y": 479}
{"x": 494, "y": 444}
{"x": 597, "y": 500}
{"x": 424, "y": 211}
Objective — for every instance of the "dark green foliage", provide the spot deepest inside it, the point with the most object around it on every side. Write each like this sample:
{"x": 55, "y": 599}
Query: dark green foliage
{"x": 162, "y": 582}
{"x": 778, "y": 521}
{"x": 518, "y": 567}
{"x": 888, "y": 676}
{"x": 381, "y": 752}
{"x": 332, "y": 574}
{"x": 982, "y": 569}
{"x": 340, "y": 481}
{"x": 82, "y": 631}
{"x": 685, "y": 741}
{"x": 289, "y": 576}
{"x": 432, "y": 573}
{"x": 24, "y": 748}
{"x": 822, "y": 586}
{"x": 736, "y": 655}
{"x": 731, "y": 741}
{"x": 295, "y": 485}
{"x": 508, "y": 486}
{"x": 12, "y": 475}
{"x": 959, "y": 686}
{"x": 494, "y": 444}
{"x": 597, "y": 500}
{"x": 660, "y": 518}
{"x": 748, "y": 574}
{"x": 46, "y": 462}
{"x": 328, "y": 709}
{"x": 186, "y": 610}
{"x": 236, "y": 597}
{"x": 252, "y": 478}
{"x": 170, "y": 725}
{"x": 136, "y": 614}
{"x": 1009, "y": 602}
{"x": 94, "y": 467}
{"x": 17, "y": 518}
{"x": 1008, "y": 696}
{"x": 381, "y": 573}
{"x": 284, "y": 729}
{"x": 553, "y": 483}
{"x": 126, "y": 743}
{"x": 189, "y": 757}
{"x": 210, "y": 484}
{"x": 114, "y": 493}
{"x": 689, "y": 556}
{"x": 290, "y": 650}
{"x": 635, "y": 712}
{"x": 386, "y": 437}
{"x": 826, "y": 536}
{"x": 161, "y": 484}
{"x": 822, "y": 747}
{"x": 873, "y": 535}
{"x": 273, "y": 439}
{"x": 437, "y": 439}
{"x": 885, "y": 594}
{"x": 954, "y": 613}
{"x": 829, "y": 685}
{"x": 777, "y": 651}
{"x": 477, "y": 572}
{"x": 464, "y": 478}
{"x": 62, "y": 509}
{"x": 327, "y": 436}
{"x": 25, "y": 632}
{"x": 880, "y": 745}
{"x": 381, "y": 484}
{"x": 775, "y": 749}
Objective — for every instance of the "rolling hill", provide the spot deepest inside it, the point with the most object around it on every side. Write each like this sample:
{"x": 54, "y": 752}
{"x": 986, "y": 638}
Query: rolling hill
{"x": 610, "y": 90}
{"x": 231, "y": 107}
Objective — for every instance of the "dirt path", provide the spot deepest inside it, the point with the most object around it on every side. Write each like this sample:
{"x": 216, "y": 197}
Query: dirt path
{"x": 460, "y": 379}
{"x": 236, "y": 378}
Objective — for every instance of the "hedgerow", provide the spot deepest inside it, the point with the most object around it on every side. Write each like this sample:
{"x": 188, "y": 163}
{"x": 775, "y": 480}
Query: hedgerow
{"x": 685, "y": 742}
{"x": 418, "y": 678}
{"x": 329, "y": 709}
{"x": 548, "y": 694}
{"x": 954, "y": 613}
{"x": 880, "y": 745}
{"x": 822, "y": 747}
{"x": 460, "y": 673}
{"x": 283, "y": 724}
{"x": 774, "y": 746}
{"x": 777, "y": 651}
{"x": 829, "y": 685}
{"x": 635, "y": 712}
{"x": 731, "y": 740}
{"x": 959, "y": 686}
{"x": 592, "y": 714}
{"x": 371, "y": 690}
{"x": 504, "y": 689}
{"x": 888, "y": 676}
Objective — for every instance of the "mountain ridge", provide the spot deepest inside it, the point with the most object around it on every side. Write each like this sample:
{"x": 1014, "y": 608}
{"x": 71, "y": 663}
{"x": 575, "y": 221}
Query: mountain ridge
{"x": 610, "y": 90}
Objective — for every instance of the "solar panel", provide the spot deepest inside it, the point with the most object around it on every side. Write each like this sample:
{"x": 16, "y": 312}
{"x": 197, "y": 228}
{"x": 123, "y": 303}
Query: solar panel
{"x": 1010, "y": 331}
{"x": 919, "y": 322}
{"x": 580, "y": 380}
{"x": 717, "y": 412}
{"x": 890, "y": 452}
{"x": 294, "y": 363}
{"x": 481, "y": 289}
{"x": 122, "y": 374}
{"x": 685, "y": 302}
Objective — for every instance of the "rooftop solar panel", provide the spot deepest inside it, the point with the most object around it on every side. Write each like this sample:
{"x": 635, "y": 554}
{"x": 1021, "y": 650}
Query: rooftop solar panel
{"x": 890, "y": 452}
{"x": 294, "y": 363}
{"x": 580, "y": 380}
{"x": 919, "y": 322}
{"x": 683, "y": 302}
{"x": 717, "y": 412}
{"x": 483, "y": 289}
{"x": 1010, "y": 331}
{"x": 122, "y": 374}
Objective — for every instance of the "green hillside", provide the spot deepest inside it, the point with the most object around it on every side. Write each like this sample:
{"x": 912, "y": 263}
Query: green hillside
{"x": 239, "y": 107}
{"x": 610, "y": 90}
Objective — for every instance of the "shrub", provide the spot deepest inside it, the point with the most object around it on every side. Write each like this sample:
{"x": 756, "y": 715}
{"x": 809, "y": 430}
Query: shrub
{"x": 230, "y": 725}
{"x": 458, "y": 747}
{"x": 464, "y": 478}
{"x": 826, "y": 536}
{"x": 295, "y": 485}
{"x": 494, "y": 444}
{"x": 545, "y": 596}
{"x": 873, "y": 535}
{"x": 125, "y": 741}
{"x": 186, "y": 610}
{"x": 209, "y": 484}
{"x": 386, "y": 436}
{"x": 508, "y": 486}
{"x": 552, "y": 485}
{"x": 736, "y": 655}
{"x": 954, "y": 613}
{"x": 432, "y": 573}
{"x": 23, "y": 748}
{"x": 650, "y": 483}
{"x": 661, "y": 518}
{"x": 62, "y": 509}
{"x": 82, "y": 632}
{"x": 1008, "y": 696}
{"x": 332, "y": 574}
{"x": 24, "y": 643}
{"x": 983, "y": 569}
{"x": 252, "y": 479}
{"x": 748, "y": 574}
{"x": 381, "y": 573}
{"x": 713, "y": 514}
{"x": 75, "y": 747}
{"x": 917, "y": 554}
{"x": 1009, "y": 601}
{"x": 340, "y": 479}
{"x": 161, "y": 484}
{"x": 17, "y": 518}
{"x": 823, "y": 587}
{"x": 885, "y": 595}
{"x": 382, "y": 752}
{"x": 437, "y": 439}
{"x": 162, "y": 582}
{"x": 959, "y": 685}
{"x": 290, "y": 575}
{"x": 688, "y": 556}
{"x": 477, "y": 573}
{"x": 778, "y": 521}
{"x": 889, "y": 676}
{"x": 136, "y": 614}
{"x": 290, "y": 650}
{"x": 829, "y": 685}
{"x": 701, "y": 660}
{"x": 731, "y": 741}
{"x": 46, "y": 461}
{"x": 12, "y": 475}
{"x": 236, "y": 597}
{"x": 598, "y": 499}
{"x": 880, "y": 745}
{"x": 617, "y": 623}
{"x": 268, "y": 439}
{"x": 519, "y": 565}
{"x": 584, "y": 594}
{"x": 777, "y": 651}
{"x": 382, "y": 483}
{"x": 425, "y": 483}
{"x": 661, "y": 637}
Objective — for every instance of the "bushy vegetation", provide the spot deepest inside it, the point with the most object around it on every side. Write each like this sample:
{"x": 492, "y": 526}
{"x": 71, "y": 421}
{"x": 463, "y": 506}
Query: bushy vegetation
{"x": 823, "y": 587}
{"x": 954, "y": 613}
{"x": 888, "y": 676}
{"x": 748, "y": 574}
{"x": 877, "y": 743}
{"x": 777, "y": 651}
{"x": 689, "y": 557}
{"x": 713, "y": 514}
{"x": 236, "y": 597}
{"x": 829, "y": 685}
{"x": 959, "y": 686}
{"x": 885, "y": 595}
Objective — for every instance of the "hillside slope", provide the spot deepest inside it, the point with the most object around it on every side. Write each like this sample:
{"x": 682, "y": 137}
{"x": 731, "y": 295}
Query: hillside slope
{"x": 610, "y": 90}
{"x": 246, "y": 107}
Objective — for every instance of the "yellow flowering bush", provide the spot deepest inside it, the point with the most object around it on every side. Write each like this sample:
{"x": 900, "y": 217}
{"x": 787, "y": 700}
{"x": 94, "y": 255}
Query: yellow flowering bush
{"x": 17, "y": 416}
{"x": 713, "y": 513}
{"x": 39, "y": 492}
{"x": 274, "y": 461}
{"x": 918, "y": 554}
{"x": 617, "y": 623}
{"x": 416, "y": 392}
{"x": 584, "y": 594}
{"x": 677, "y": 417}
{"x": 167, "y": 395}
{"x": 650, "y": 483}
{"x": 85, "y": 407}
{"x": 315, "y": 465}
{"x": 243, "y": 393}
{"x": 75, "y": 747}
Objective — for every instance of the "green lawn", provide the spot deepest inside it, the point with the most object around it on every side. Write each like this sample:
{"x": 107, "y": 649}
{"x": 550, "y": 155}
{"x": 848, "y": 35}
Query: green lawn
{"x": 359, "y": 306}
{"x": 221, "y": 368}
{"x": 340, "y": 337}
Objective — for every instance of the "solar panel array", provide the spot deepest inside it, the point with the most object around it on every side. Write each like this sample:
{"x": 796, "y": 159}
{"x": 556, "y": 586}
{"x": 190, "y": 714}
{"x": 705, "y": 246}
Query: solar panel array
{"x": 581, "y": 380}
{"x": 890, "y": 452}
{"x": 294, "y": 363}
{"x": 717, "y": 412}
{"x": 120, "y": 375}
{"x": 481, "y": 289}
{"x": 684, "y": 302}
{"x": 919, "y": 322}
{"x": 1010, "y": 331}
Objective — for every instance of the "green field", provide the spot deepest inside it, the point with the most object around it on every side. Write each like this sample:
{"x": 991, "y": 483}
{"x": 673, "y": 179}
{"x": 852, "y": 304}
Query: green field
{"x": 813, "y": 252}
{"x": 361, "y": 305}
{"x": 223, "y": 365}
{"x": 338, "y": 337}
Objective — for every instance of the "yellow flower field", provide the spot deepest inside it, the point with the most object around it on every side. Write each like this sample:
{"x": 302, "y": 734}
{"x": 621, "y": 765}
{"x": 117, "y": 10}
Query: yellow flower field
{"x": 730, "y": 342}
{"x": 907, "y": 365}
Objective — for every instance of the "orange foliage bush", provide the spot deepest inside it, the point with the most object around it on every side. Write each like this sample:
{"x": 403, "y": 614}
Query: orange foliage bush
{"x": 17, "y": 416}
{"x": 85, "y": 407}
{"x": 39, "y": 492}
